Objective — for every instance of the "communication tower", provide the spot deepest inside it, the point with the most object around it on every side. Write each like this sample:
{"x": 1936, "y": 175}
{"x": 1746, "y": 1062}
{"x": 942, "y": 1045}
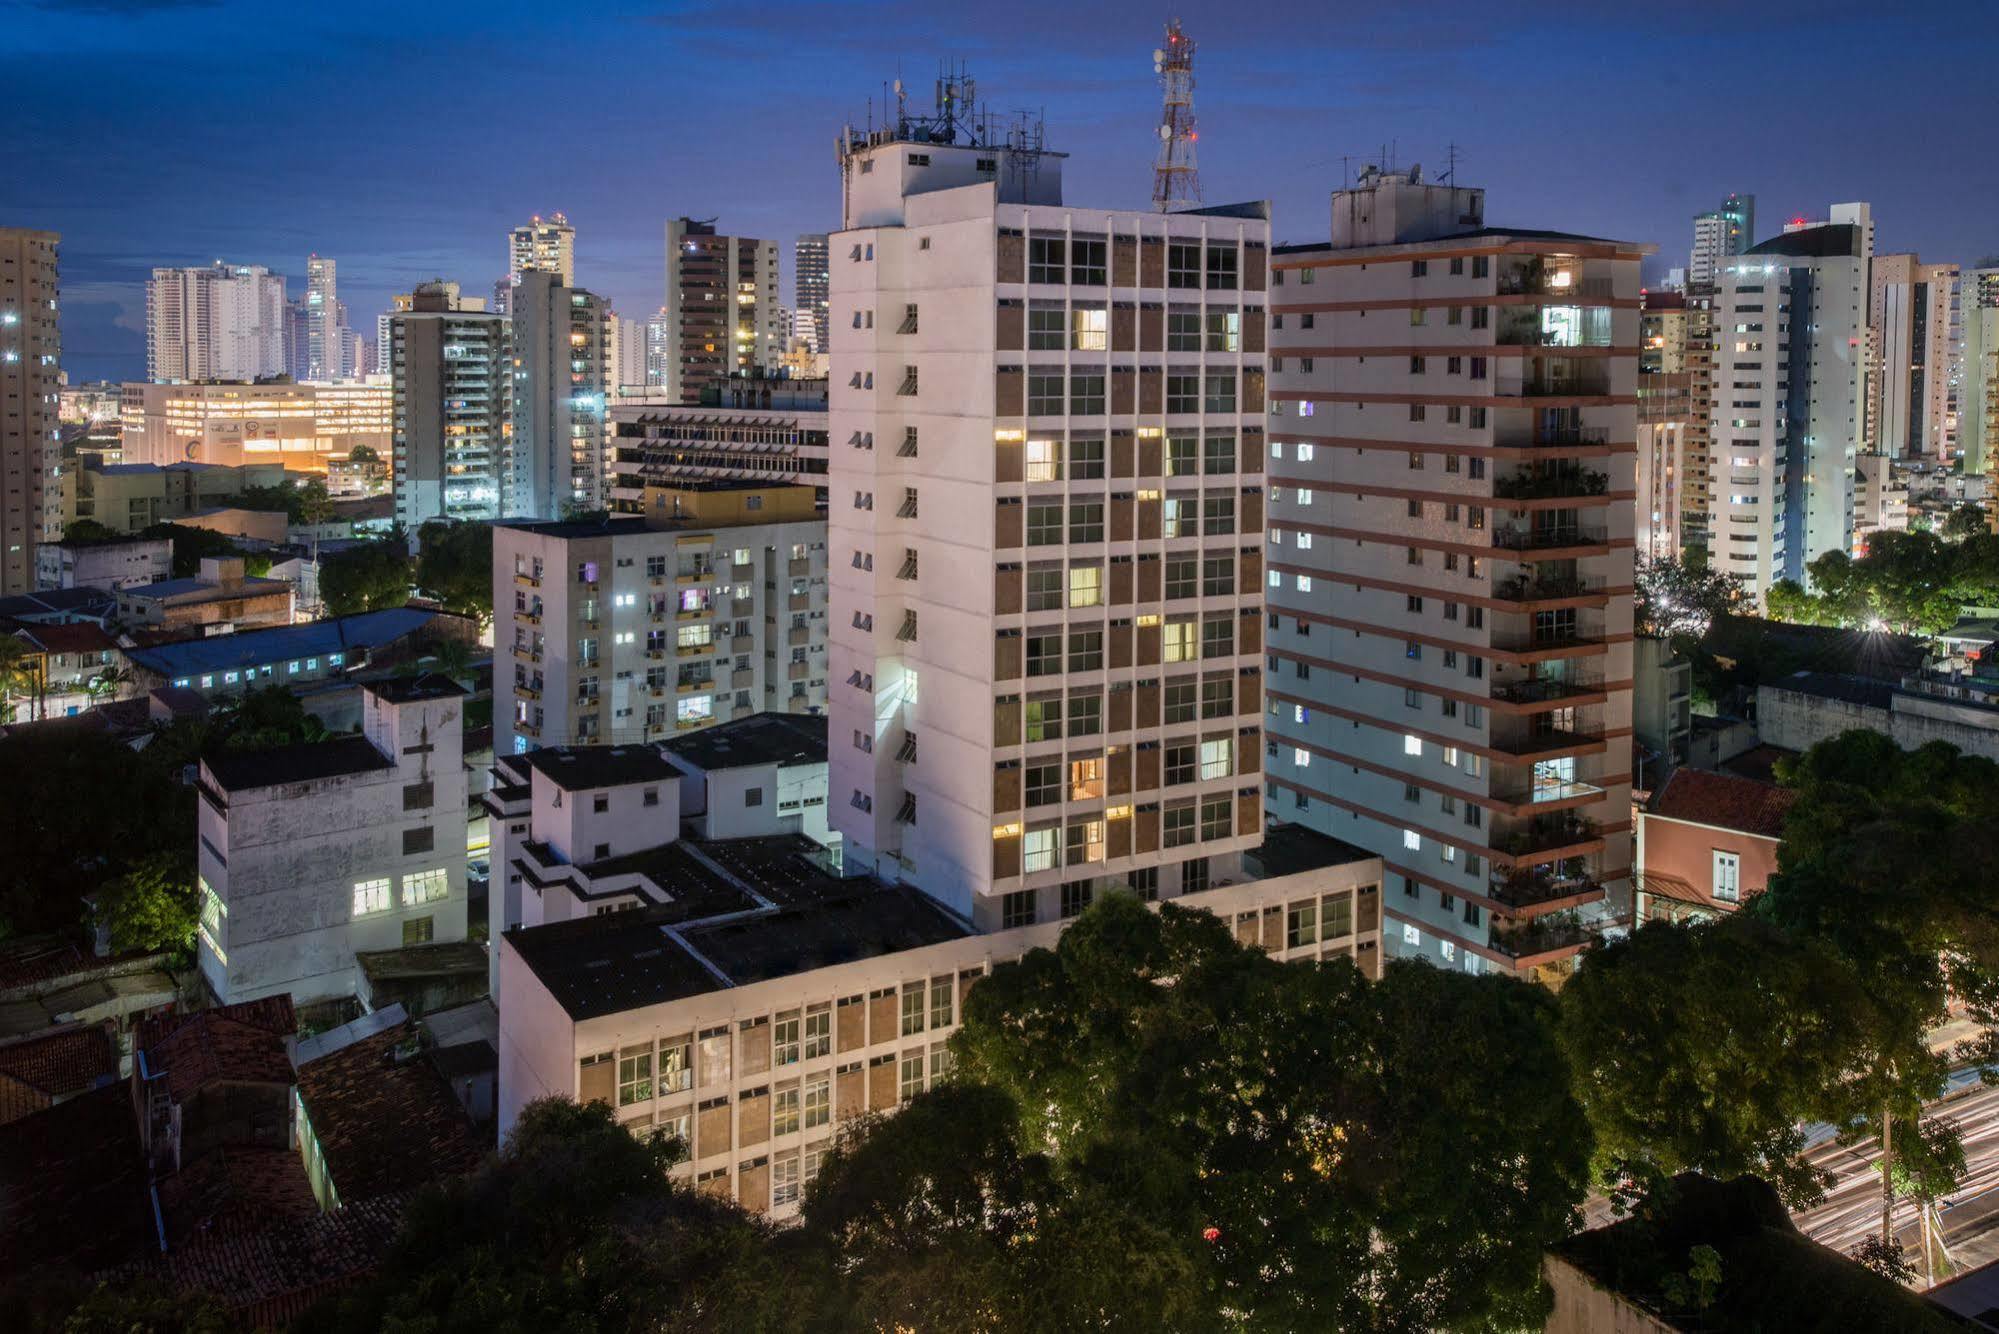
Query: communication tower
{"x": 1175, "y": 179}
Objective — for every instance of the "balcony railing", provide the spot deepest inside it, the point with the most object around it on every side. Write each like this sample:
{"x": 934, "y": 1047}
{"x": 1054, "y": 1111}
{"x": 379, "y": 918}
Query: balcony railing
{"x": 1539, "y": 793}
{"x": 1549, "y": 486}
{"x": 1543, "y": 832}
{"x": 1531, "y": 886}
{"x": 1540, "y": 935}
{"x": 1542, "y": 691}
{"x": 1545, "y": 436}
{"x": 1552, "y": 386}
{"x": 1538, "y": 742}
{"x": 1527, "y": 588}
{"x": 1543, "y": 638}
{"x": 1548, "y": 538}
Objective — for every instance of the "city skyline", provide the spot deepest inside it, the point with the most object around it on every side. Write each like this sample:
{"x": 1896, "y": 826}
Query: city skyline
{"x": 1349, "y": 83}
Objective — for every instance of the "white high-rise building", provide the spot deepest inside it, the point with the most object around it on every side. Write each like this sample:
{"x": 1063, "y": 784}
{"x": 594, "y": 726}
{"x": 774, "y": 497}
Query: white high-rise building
{"x": 1720, "y": 234}
{"x": 625, "y": 354}
{"x": 221, "y": 322}
{"x": 559, "y": 452}
{"x": 1045, "y": 530}
{"x": 808, "y": 287}
{"x": 1451, "y": 473}
{"x": 1978, "y": 390}
{"x": 452, "y": 370}
{"x": 324, "y": 343}
{"x": 1789, "y": 406}
{"x": 548, "y": 244}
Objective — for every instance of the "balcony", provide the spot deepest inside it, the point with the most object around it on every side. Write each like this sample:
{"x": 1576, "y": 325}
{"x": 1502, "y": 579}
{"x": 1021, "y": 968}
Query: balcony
{"x": 1549, "y": 537}
{"x": 1563, "y": 483}
{"x": 1544, "y": 385}
{"x": 1550, "y": 794}
{"x": 1533, "y": 744}
{"x": 1545, "y": 588}
{"x": 1552, "y": 934}
{"x": 1544, "y": 690}
{"x": 1548, "y": 833}
{"x": 1545, "y": 639}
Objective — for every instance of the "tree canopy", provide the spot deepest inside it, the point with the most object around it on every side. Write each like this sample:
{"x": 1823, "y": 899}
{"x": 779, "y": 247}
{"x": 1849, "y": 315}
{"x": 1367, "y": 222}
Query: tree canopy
{"x": 1913, "y": 583}
{"x": 304, "y": 502}
{"x": 191, "y": 544}
{"x": 369, "y": 577}
{"x": 1676, "y": 598}
{"x": 455, "y": 565}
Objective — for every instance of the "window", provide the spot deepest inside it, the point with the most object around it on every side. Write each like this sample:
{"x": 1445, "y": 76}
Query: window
{"x": 418, "y": 840}
{"x": 1046, "y": 259}
{"x": 1180, "y": 641}
{"x": 1218, "y": 453}
{"x": 1194, "y": 876}
{"x": 1217, "y": 758}
{"x": 1044, "y": 654}
{"x": 940, "y": 1002}
{"x": 1086, "y": 395}
{"x": 1180, "y": 761}
{"x": 1089, "y": 328}
{"x": 1727, "y": 877}
{"x": 784, "y": 1039}
{"x": 1087, "y": 262}
{"x": 1183, "y": 265}
{"x": 818, "y": 1033}
{"x": 1075, "y": 897}
{"x": 1017, "y": 909}
{"x": 1143, "y": 882}
{"x": 1221, "y": 269}
{"x": 753, "y": 796}
{"x": 1044, "y": 720}
{"x": 1218, "y": 637}
{"x": 1044, "y": 524}
{"x": 1045, "y": 395}
{"x": 912, "y": 1076}
{"x": 1043, "y": 784}
{"x": 1224, "y": 331}
{"x": 1221, "y": 391}
{"x": 1086, "y": 715}
{"x": 1183, "y": 393}
{"x": 1086, "y": 779}
{"x": 371, "y": 896}
{"x": 1178, "y": 826}
{"x": 912, "y": 1008}
{"x": 1086, "y": 587}
{"x": 1086, "y": 459}
{"x": 1301, "y": 925}
{"x": 1044, "y": 461}
{"x": 784, "y": 1173}
{"x": 425, "y": 887}
{"x": 1218, "y": 576}
{"x": 1217, "y": 697}
{"x": 1038, "y": 851}
{"x": 634, "y": 1075}
{"x": 1086, "y": 521}
{"x": 1215, "y": 817}
{"x": 817, "y": 1103}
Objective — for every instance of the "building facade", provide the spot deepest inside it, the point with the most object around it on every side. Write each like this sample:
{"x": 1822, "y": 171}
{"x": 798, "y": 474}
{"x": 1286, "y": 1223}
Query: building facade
{"x": 1707, "y": 844}
{"x": 635, "y": 630}
{"x": 1910, "y": 394}
{"x": 221, "y": 322}
{"x": 771, "y": 431}
{"x": 311, "y": 854}
{"x": 1665, "y": 423}
{"x": 545, "y": 244}
{"x": 558, "y": 457}
{"x": 809, "y": 269}
{"x": 1045, "y": 528}
{"x": 304, "y": 427}
{"x": 1450, "y": 547}
{"x": 1720, "y": 234}
{"x": 1978, "y": 385}
{"x": 452, "y": 369}
{"x": 722, "y": 313}
{"x": 30, "y": 429}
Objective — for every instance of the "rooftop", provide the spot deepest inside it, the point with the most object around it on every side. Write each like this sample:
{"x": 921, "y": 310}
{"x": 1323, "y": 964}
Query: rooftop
{"x": 384, "y": 1120}
{"x": 303, "y": 762}
{"x": 42, "y": 1067}
{"x": 1289, "y": 849}
{"x": 1861, "y": 690}
{"x": 1725, "y": 802}
{"x": 73, "y": 1185}
{"x": 408, "y": 689}
{"x": 242, "y": 1043}
{"x": 240, "y": 1187}
{"x": 1828, "y": 240}
{"x": 585, "y": 768}
{"x": 1459, "y": 238}
{"x": 763, "y": 738}
{"x": 253, "y": 648}
{"x": 57, "y": 601}
{"x": 205, "y": 590}
{"x": 70, "y": 637}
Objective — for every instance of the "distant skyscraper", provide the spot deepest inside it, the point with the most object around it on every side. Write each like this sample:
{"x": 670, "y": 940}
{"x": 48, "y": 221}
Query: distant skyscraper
{"x": 298, "y": 339}
{"x": 558, "y": 459}
{"x": 722, "y": 310}
{"x": 30, "y": 360}
{"x": 1908, "y": 387}
{"x": 452, "y": 376}
{"x": 220, "y": 322}
{"x": 322, "y": 320}
{"x": 1721, "y": 233}
{"x": 1978, "y": 390}
{"x": 384, "y": 343}
{"x": 808, "y": 284}
{"x": 658, "y": 341}
{"x": 625, "y": 351}
{"x": 548, "y": 244}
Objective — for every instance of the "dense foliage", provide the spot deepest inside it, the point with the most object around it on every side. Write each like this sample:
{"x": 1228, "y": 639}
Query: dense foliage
{"x": 372, "y": 576}
{"x": 1915, "y": 583}
{"x": 1682, "y": 599}
{"x": 454, "y": 564}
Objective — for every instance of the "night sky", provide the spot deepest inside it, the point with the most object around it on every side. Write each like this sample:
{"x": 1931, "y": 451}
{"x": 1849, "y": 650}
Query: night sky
{"x": 404, "y": 139}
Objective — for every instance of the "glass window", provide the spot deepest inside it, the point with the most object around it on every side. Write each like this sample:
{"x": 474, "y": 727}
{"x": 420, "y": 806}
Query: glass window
{"x": 1301, "y": 925}
{"x": 1224, "y": 331}
{"x": 912, "y": 1076}
{"x": 1181, "y": 641}
{"x": 941, "y": 1001}
{"x": 784, "y": 1111}
{"x": 1044, "y": 328}
{"x": 1183, "y": 331}
{"x": 1089, "y": 329}
{"x": 1044, "y": 461}
{"x": 1038, "y": 853}
{"x": 817, "y": 1104}
{"x": 1046, "y": 259}
{"x": 1086, "y": 586}
{"x": 912, "y": 1008}
{"x": 371, "y": 896}
{"x": 784, "y": 1178}
{"x": 785, "y": 1041}
{"x": 425, "y": 887}
{"x": 634, "y": 1076}
{"x": 1217, "y": 758}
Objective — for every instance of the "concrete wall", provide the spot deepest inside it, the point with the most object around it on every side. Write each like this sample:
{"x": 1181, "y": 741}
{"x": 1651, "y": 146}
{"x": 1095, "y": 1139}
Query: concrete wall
{"x": 1581, "y": 1307}
{"x": 1798, "y": 721}
{"x": 1685, "y": 851}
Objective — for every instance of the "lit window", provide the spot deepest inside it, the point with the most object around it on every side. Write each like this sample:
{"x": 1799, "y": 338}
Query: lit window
{"x": 1038, "y": 850}
{"x": 1412, "y": 744}
{"x": 371, "y": 896}
{"x": 1304, "y": 450}
{"x": 1300, "y": 756}
{"x": 1412, "y": 840}
{"x": 425, "y": 887}
{"x": 1410, "y": 935}
{"x": 1304, "y": 583}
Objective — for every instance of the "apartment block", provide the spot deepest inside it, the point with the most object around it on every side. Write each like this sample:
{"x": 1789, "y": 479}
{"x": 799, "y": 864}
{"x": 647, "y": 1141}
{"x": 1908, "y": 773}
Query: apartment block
{"x": 303, "y": 427}
{"x": 743, "y": 430}
{"x": 1789, "y": 408}
{"x": 1450, "y": 563}
{"x": 1978, "y": 388}
{"x": 557, "y": 460}
{"x": 452, "y": 369}
{"x": 219, "y": 322}
{"x": 545, "y": 244}
{"x": 1045, "y": 527}
{"x": 809, "y": 269}
{"x": 1909, "y": 391}
{"x": 1719, "y": 235}
{"x": 1665, "y": 424}
{"x": 633, "y": 630}
{"x": 324, "y": 327}
{"x": 30, "y": 433}
{"x": 312, "y": 854}
{"x": 722, "y": 315}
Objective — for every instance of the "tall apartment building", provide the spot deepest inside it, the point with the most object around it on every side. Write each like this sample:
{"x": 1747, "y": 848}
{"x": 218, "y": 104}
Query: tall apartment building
{"x": 631, "y": 630}
{"x": 808, "y": 285}
{"x": 451, "y": 376}
{"x": 30, "y": 408}
{"x": 1720, "y": 234}
{"x": 1978, "y": 389}
{"x": 625, "y": 355}
{"x": 1789, "y": 407}
{"x": 722, "y": 312}
{"x": 222, "y": 322}
{"x": 559, "y": 460}
{"x": 1909, "y": 389}
{"x": 769, "y": 431}
{"x": 1045, "y": 530}
{"x": 303, "y": 426}
{"x": 322, "y": 319}
{"x": 547, "y": 244}
{"x": 1450, "y": 564}
{"x": 385, "y": 358}
{"x": 658, "y": 349}
{"x": 1665, "y": 423}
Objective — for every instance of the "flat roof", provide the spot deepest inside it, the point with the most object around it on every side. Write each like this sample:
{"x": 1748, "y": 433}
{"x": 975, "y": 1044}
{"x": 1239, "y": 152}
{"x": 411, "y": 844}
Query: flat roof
{"x": 174, "y": 588}
{"x": 1862, "y": 690}
{"x": 584, "y": 768}
{"x": 246, "y": 770}
{"x": 762, "y": 738}
{"x": 1458, "y": 238}
{"x": 253, "y": 648}
{"x": 407, "y": 689}
{"x": 1290, "y": 849}
{"x": 605, "y": 965}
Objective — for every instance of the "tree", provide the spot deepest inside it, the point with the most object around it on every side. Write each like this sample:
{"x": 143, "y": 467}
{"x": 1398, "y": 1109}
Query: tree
{"x": 455, "y": 566}
{"x": 302, "y": 502}
{"x": 90, "y": 532}
{"x": 363, "y": 454}
{"x": 1702, "y": 1047}
{"x": 260, "y": 718}
{"x": 573, "y": 1226}
{"x": 20, "y": 673}
{"x": 368, "y": 577}
{"x": 1682, "y": 599}
{"x": 153, "y": 907}
{"x": 1964, "y": 521}
{"x": 191, "y": 544}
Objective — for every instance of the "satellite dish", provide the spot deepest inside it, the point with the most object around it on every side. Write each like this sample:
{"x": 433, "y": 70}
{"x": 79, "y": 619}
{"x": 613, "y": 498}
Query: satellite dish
{"x": 1165, "y": 132}
{"x": 1157, "y": 55}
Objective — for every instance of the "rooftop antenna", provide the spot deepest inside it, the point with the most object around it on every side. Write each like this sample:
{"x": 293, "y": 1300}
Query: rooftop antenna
{"x": 1175, "y": 179}
{"x": 1450, "y": 165}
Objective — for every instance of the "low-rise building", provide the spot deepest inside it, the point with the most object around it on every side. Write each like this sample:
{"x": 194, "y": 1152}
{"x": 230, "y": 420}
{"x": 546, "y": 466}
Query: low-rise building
{"x": 310, "y": 854}
{"x": 317, "y": 655}
{"x": 1880, "y": 499}
{"x": 220, "y": 600}
{"x": 745, "y": 999}
{"x": 1707, "y": 844}
{"x": 1806, "y": 708}
{"x": 757, "y": 776}
{"x": 1662, "y": 692}
{"x": 113, "y": 565}
{"x": 53, "y": 1065}
{"x": 743, "y": 430}
{"x": 73, "y": 666}
{"x": 129, "y": 497}
{"x": 633, "y": 630}
{"x": 303, "y": 426}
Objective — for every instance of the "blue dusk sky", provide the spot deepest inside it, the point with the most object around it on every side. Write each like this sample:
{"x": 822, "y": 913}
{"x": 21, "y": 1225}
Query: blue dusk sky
{"x": 405, "y": 139}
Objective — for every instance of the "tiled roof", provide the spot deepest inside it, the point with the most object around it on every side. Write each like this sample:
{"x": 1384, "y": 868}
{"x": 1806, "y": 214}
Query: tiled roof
{"x": 384, "y": 1122}
{"x": 244, "y": 1042}
{"x": 1725, "y": 801}
{"x": 62, "y": 1062}
{"x": 75, "y": 637}
{"x": 73, "y": 1185}
{"x": 236, "y": 1187}
{"x": 26, "y": 963}
{"x": 268, "y": 1276}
